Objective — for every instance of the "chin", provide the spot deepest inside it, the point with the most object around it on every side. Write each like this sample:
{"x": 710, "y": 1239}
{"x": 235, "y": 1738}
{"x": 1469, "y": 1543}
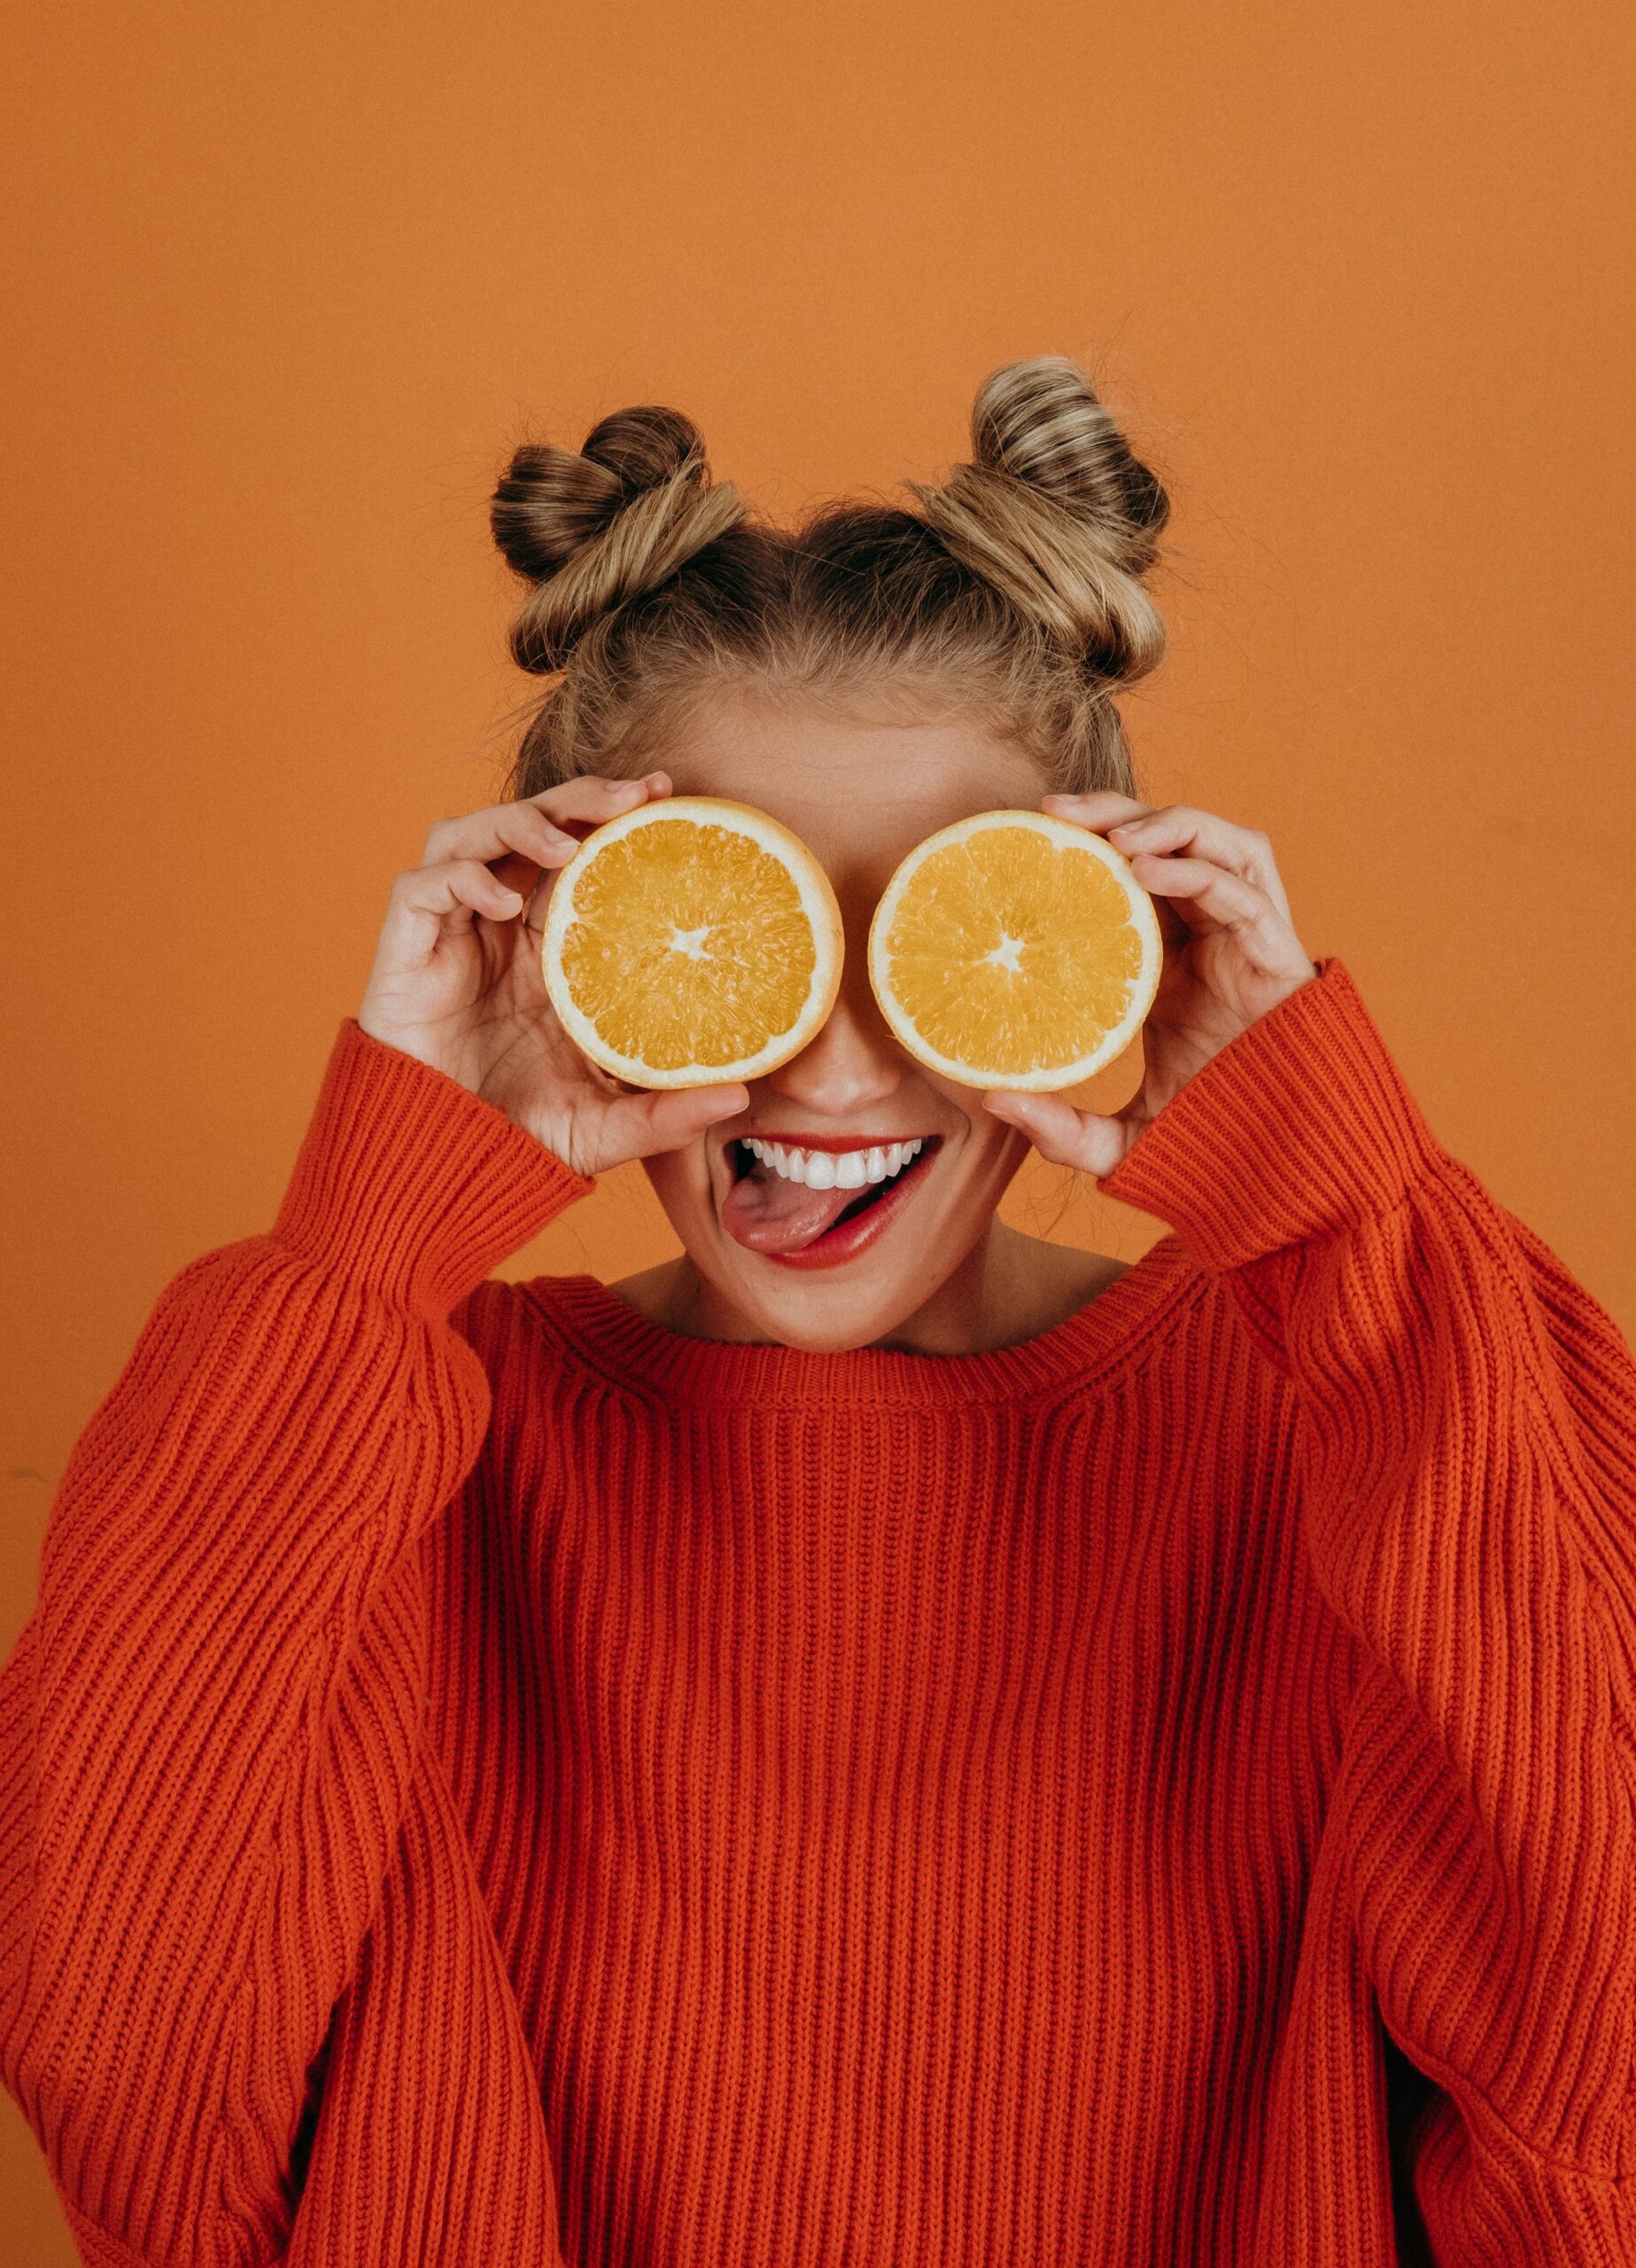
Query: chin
{"x": 831, "y": 1314}
{"x": 831, "y": 1309}
{"x": 861, "y": 1280}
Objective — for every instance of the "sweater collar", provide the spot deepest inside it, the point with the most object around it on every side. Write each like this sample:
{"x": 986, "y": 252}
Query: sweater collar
{"x": 1092, "y": 1347}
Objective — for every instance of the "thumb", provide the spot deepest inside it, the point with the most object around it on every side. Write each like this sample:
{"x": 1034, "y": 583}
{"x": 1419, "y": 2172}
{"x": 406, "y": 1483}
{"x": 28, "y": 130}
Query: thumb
{"x": 673, "y": 1116}
{"x": 1085, "y": 1140}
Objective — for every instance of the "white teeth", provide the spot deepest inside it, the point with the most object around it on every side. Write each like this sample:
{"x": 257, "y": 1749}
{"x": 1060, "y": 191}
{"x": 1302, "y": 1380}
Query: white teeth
{"x": 837, "y": 1169}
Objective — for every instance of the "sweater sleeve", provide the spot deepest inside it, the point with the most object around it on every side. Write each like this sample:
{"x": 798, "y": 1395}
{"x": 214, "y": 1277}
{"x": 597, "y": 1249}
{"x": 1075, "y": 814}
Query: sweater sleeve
{"x": 1465, "y": 1442}
{"x": 208, "y": 1724}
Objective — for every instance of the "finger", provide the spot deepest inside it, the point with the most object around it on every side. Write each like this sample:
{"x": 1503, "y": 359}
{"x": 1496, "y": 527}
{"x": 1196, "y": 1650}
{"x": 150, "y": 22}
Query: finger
{"x": 424, "y": 900}
{"x": 1103, "y": 811}
{"x": 1173, "y": 932}
{"x": 591, "y": 798}
{"x": 1207, "y": 897}
{"x": 502, "y": 830}
{"x": 1130, "y": 825}
{"x": 531, "y": 827}
{"x": 653, "y": 1120}
{"x": 1099, "y": 808}
{"x": 1205, "y": 835}
{"x": 1085, "y": 1140}
{"x": 593, "y": 801}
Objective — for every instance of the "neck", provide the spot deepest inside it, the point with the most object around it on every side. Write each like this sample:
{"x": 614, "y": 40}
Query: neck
{"x": 1008, "y": 1287}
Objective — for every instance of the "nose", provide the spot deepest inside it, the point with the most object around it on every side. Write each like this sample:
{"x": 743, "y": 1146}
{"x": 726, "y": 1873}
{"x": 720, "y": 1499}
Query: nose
{"x": 852, "y": 1062}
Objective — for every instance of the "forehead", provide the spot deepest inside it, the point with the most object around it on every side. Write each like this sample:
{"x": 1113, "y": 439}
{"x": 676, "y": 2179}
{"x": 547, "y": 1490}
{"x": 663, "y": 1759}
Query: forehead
{"x": 859, "y": 788}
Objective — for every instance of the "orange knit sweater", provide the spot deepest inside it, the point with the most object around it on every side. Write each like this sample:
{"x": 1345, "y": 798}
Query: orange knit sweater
{"x": 492, "y": 1782}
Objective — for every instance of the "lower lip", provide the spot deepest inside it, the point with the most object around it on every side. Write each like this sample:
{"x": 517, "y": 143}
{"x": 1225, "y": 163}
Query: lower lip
{"x": 848, "y": 1238}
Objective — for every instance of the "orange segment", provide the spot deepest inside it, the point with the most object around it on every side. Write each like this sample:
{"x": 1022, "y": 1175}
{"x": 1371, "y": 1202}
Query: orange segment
{"x": 1015, "y": 950}
{"x": 691, "y": 939}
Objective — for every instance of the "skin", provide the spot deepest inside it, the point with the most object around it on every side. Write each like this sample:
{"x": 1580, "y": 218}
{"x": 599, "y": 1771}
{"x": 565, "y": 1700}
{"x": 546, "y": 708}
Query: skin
{"x": 457, "y": 983}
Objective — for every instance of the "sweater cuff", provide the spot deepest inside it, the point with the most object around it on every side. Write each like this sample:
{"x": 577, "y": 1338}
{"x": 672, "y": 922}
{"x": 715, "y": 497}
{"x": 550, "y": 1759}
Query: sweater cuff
{"x": 409, "y": 1183}
{"x": 1299, "y": 1127}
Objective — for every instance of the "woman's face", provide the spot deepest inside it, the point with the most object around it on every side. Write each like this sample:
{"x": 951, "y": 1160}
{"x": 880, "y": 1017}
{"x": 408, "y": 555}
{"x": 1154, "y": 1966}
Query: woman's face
{"x": 860, "y": 795}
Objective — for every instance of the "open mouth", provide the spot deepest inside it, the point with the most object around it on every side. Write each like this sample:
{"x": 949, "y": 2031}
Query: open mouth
{"x": 780, "y": 1216}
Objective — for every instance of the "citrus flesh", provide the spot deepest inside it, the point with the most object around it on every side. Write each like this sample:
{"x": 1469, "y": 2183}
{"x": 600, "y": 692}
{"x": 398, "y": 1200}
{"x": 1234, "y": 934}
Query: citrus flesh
{"x": 1015, "y": 950}
{"x": 691, "y": 940}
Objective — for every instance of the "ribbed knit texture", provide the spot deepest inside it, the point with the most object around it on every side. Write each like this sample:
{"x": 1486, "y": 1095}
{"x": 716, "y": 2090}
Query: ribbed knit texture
{"x": 493, "y": 1784}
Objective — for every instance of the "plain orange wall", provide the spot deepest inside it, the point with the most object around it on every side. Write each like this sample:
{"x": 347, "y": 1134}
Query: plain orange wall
{"x": 285, "y": 282}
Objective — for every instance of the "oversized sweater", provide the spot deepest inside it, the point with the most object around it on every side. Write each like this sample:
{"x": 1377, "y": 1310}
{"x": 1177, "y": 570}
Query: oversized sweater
{"x": 492, "y": 1782}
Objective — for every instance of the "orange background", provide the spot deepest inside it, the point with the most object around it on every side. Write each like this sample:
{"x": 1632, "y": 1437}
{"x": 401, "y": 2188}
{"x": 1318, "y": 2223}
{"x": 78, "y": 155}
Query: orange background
{"x": 286, "y": 283}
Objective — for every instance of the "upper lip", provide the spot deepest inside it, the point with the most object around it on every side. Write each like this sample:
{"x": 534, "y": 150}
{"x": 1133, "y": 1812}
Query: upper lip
{"x": 832, "y": 1141}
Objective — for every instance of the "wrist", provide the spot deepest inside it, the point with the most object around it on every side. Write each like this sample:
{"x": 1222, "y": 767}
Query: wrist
{"x": 409, "y": 1182}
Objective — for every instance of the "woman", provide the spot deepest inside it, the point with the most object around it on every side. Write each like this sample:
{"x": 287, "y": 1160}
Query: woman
{"x": 880, "y": 1740}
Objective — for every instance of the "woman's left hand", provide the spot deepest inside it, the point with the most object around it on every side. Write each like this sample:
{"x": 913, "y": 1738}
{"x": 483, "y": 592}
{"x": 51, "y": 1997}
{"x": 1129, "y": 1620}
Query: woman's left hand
{"x": 1230, "y": 954}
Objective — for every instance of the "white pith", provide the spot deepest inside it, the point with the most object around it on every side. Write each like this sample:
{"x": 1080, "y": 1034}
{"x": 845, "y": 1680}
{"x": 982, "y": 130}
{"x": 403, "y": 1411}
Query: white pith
{"x": 836, "y": 1168}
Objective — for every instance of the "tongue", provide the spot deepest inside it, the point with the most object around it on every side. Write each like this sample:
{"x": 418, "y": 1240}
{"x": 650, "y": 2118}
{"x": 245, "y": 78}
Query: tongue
{"x": 768, "y": 1213}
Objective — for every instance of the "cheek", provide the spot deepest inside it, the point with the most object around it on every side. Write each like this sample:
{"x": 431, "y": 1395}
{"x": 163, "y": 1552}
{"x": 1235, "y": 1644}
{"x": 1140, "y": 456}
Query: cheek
{"x": 982, "y": 1140}
{"x": 995, "y": 1149}
{"x": 991, "y": 1151}
{"x": 680, "y": 1179}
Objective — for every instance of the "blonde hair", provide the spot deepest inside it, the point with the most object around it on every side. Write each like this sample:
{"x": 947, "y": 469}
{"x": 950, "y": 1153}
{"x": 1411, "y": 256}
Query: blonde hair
{"x": 1015, "y": 592}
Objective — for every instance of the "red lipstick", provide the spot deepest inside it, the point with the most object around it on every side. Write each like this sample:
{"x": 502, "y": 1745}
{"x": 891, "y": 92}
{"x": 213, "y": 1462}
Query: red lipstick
{"x": 831, "y": 1141}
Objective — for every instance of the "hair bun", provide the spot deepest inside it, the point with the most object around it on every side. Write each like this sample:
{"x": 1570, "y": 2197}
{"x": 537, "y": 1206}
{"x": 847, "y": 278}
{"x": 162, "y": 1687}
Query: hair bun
{"x": 1057, "y": 513}
{"x": 594, "y": 528}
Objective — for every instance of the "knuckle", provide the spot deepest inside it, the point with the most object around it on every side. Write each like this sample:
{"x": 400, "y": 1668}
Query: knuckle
{"x": 567, "y": 793}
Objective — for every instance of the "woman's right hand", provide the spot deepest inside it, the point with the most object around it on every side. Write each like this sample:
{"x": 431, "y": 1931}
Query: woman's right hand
{"x": 457, "y": 981}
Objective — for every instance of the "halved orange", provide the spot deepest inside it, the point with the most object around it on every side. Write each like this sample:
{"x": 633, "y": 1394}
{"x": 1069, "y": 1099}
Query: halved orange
{"x": 691, "y": 939}
{"x": 1014, "y": 950}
